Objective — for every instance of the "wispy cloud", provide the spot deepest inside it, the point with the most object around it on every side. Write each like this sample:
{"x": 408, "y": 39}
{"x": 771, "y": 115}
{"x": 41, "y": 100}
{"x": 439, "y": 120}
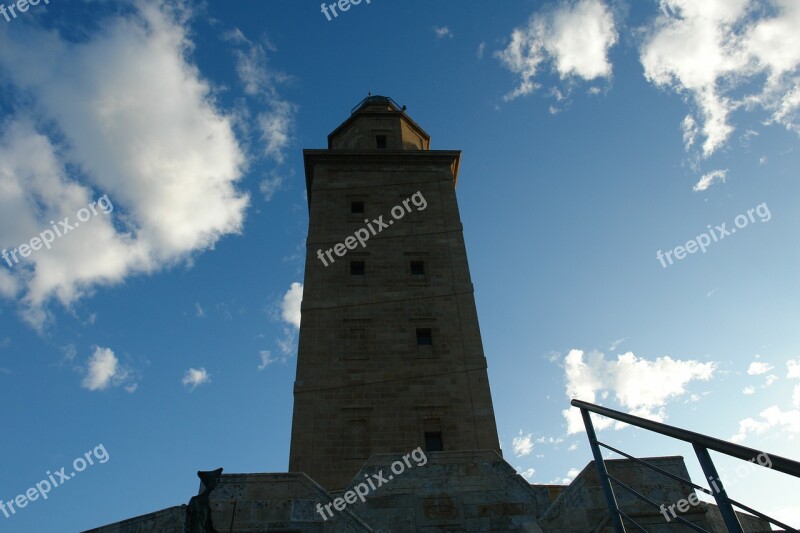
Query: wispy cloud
{"x": 270, "y": 185}
{"x": 757, "y": 368}
{"x": 266, "y": 359}
{"x": 772, "y": 418}
{"x": 522, "y": 444}
{"x": 194, "y": 377}
{"x": 442, "y": 32}
{"x": 262, "y": 82}
{"x": 709, "y": 179}
{"x": 527, "y": 474}
{"x": 290, "y": 306}
{"x": 616, "y": 343}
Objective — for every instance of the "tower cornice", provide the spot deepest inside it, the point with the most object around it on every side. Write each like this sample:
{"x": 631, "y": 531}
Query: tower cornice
{"x": 314, "y": 157}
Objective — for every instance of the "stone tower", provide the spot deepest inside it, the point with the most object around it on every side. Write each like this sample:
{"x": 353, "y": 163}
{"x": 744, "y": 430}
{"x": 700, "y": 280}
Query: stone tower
{"x": 390, "y": 359}
{"x": 390, "y": 354}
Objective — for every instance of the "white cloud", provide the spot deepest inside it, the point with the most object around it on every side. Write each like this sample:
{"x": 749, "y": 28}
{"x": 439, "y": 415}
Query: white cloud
{"x": 572, "y": 447}
{"x": 481, "y": 48}
{"x": 616, "y": 343}
{"x": 527, "y": 474}
{"x": 549, "y": 440}
{"x": 195, "y": 377}
{"x": 269, "y": 186}
{"x": 571, "y": 475}
{"x": 198, "y": 311}
{"x": 8, "y": 284}
{"x": 690, "y": 131}
{"x": 793, "y": 372}
{"x": 747, "y": 391}
{"x": 104, "y": 371}
{"x": 522, "y": 444}
{"x": 289, "y": 313}
{"x": 771, "y": 418}
{"x": 127, "y": 116}
{"x": 442, "y": 32}
{"x": 576, "y": 37}
{"x": 725, "y": 55}
{"x": 769, "y": 380}
{"x": 275, "y": 126}
{"x": 266, "y": 359}
{"x": 642, "y": 387}
{"x": 290, "y": 306}
{"x": 757, "y": 368}
{"x": 288, "y": 343}
{"x": 708, "y": 179}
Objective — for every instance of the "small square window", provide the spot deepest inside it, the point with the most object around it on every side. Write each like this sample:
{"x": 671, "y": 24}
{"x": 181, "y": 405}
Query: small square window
{"x": 381, "y": 142}
{"x": 417, "y": 268}
{"x": 357, "y": 268}
{"x": 424, "y": 337}
{"x": 433, "y": 441}
{"x": 357, "y": 340}
{"x": 357, "y": 207}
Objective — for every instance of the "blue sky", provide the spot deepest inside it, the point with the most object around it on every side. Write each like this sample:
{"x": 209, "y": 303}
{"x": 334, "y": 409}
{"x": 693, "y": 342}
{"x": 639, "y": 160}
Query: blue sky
{"x": 595, "y": 133}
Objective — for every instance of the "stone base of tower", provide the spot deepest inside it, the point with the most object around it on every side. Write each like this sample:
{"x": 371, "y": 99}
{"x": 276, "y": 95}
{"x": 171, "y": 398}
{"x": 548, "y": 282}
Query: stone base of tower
{"x": 452, "y": 491}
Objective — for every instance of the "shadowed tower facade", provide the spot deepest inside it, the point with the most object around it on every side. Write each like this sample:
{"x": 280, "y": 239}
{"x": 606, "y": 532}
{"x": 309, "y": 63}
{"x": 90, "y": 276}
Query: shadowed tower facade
{"x": 390, "y": 354}
{"x": 390, "y": 359}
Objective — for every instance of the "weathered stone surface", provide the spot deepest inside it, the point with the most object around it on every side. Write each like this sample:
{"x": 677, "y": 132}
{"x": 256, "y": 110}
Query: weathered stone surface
{"x": 170, "y": 520}
{"x": 581, "y": 506}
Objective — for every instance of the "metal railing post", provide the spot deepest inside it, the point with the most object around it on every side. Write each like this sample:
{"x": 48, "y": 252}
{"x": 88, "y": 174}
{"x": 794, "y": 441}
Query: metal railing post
{"x": 717, "y": 489}
{"x": 611, "y": 500}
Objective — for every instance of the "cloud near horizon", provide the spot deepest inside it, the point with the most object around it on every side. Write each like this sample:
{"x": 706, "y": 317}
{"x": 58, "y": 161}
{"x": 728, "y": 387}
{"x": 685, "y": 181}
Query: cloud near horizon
{"x": 642, "y": 387}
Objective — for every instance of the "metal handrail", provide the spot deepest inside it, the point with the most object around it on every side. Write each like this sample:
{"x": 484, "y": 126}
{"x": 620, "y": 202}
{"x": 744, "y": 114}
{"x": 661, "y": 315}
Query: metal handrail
{"x": 701, "y": 444}
{"x": 781, "y": 464}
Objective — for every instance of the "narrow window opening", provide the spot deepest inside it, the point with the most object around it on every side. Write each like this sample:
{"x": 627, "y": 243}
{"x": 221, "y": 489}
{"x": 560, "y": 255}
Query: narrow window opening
{"x": 424, "y": 337}
{"x": 381, "y": 141}
{"x": 433, "y": 441}
{"x": 357, "y": 207}
{"x": 417, "y": 268}
{"x": 357, "y": 268}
